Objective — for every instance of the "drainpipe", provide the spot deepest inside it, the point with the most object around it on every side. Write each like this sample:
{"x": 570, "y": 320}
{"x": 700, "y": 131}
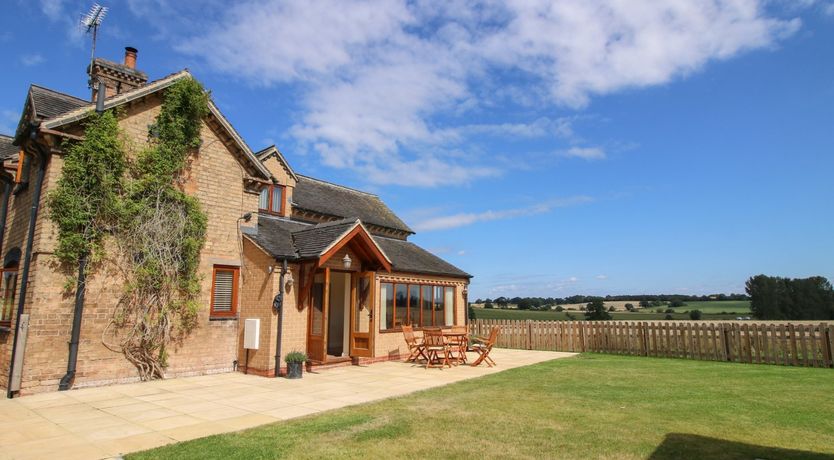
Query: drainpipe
{"x": 278, "y": 304}
{"x": 43, "y": 159}
{"x": 80, "y": 288}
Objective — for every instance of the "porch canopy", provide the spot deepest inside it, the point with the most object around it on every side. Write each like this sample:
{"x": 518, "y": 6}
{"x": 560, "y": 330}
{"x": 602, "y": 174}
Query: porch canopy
{"x": 304, "y": 242}
{"x": 318, "y": 244}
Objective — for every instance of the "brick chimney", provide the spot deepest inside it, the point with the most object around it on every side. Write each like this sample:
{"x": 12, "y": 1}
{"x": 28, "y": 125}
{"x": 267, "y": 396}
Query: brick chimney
{"x": 117, "y": 78}
{"x": 130, "y": 57}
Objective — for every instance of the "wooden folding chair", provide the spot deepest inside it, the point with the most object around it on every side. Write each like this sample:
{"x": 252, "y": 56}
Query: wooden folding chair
{"x": 416, "y": 348}
{"x": 484, "y": 346}
{"x": 437, "y": 350}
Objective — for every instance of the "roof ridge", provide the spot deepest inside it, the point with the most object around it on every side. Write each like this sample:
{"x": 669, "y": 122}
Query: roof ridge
{"x": 284, "y": 219}
{"x": 184, "y": 71}
{"x": 347, "y": 220}
{"x": 88, "y": 105}
{"x": 339, "y": 186}
{"x": 60, "y": 93}
{"x": 263, "y": 150}
{"x": 393, "y": 239}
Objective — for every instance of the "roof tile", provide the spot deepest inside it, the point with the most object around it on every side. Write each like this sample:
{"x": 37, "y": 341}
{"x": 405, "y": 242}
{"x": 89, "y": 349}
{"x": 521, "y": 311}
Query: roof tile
{"x": 49, "y": 103}
{"x": 334, "y": 200}
{"x": 294, "y": 240}
{"x": 7, "y": 149}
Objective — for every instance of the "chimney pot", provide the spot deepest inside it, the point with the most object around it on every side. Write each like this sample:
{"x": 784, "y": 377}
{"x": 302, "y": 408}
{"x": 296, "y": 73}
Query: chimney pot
{"x": 130, "y": 57}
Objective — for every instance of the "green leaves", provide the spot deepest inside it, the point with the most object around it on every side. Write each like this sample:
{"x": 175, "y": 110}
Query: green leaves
{"x": 86, "y": 202}
{"x": 176, "y": 132}
{"x": 158, "y": 229}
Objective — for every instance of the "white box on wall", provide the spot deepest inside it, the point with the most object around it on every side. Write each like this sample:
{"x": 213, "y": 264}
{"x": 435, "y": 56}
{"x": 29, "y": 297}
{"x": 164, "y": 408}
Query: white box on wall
{"x": 251, "y": 333}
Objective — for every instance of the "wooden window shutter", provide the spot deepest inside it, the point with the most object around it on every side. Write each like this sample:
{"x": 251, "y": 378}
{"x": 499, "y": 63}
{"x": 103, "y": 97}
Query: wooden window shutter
{"x": 224, "y": 291}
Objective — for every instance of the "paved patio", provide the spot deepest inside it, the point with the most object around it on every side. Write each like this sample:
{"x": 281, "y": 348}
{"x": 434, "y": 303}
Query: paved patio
{"x": 110, "y": 421}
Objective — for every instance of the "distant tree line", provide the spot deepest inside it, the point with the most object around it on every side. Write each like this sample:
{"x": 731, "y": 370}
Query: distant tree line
{"x": 645, "y": 301}
{"x": 777, "y": 298}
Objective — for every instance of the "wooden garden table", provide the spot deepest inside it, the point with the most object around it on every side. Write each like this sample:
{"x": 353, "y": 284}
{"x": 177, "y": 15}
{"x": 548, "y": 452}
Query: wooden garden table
{"x": 458, "y": 341}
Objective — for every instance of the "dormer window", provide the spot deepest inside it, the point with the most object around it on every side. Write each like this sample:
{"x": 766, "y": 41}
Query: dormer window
{"x": 272, "y": 200}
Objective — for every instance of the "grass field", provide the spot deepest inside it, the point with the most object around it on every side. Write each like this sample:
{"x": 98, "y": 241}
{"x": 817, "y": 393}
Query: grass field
{"x": 711, "y": 310}
{"x": 740, "y": 307}
{"x": 592, "y": 406}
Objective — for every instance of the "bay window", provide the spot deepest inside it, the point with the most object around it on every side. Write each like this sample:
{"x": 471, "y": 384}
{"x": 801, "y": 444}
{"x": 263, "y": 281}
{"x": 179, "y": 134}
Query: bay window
{"x": 418, "y": 305}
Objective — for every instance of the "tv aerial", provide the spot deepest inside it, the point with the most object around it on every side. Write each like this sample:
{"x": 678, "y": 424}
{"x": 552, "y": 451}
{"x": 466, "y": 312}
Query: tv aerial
{"x": 91, "y": 22}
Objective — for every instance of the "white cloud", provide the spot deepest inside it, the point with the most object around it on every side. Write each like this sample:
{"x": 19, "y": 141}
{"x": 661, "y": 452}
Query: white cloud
{"x": 58, "y": 12}
{"x": 601, "y": 277}
{"x": 464, "y": 219}
{"x": 8, "y": 122}
{"x": 385, "y": 85}
{"x": 30, "y": 60}
{"x": 580, "y": 48}
{"x": 541, "y": 127}
{"x": 586, "y": 153}
{"x": 53, "y": 9}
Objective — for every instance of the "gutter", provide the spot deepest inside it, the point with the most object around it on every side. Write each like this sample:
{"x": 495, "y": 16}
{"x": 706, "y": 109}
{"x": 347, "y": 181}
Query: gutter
{"x": 43, "y": 159}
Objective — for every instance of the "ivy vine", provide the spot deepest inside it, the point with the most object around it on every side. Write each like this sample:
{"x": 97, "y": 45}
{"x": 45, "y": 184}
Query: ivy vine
{"x": 86, "y": 202}
{"x": 158, "y": 229}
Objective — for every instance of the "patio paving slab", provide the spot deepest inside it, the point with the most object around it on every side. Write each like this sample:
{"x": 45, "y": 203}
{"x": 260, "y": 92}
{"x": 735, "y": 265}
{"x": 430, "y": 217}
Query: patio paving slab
{"x": 106, "y": 422}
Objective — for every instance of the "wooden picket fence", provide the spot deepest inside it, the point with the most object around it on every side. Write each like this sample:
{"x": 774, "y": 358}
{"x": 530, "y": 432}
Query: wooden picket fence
{"x": 788, "y": 344}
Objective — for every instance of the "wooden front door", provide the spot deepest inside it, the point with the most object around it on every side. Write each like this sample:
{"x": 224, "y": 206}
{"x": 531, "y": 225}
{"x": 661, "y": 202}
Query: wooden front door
{"x": 362, "y": 316}
{"x": 317, "y": 319}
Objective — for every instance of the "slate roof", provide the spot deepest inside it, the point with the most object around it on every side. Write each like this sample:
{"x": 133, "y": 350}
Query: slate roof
{"x": 335, "y": 200}
{"x": 407, "y": 257}
{"x": 47, "y": 103}
{"x": 283, "y": 238}
{"x": 313, "y": 241}
{"x": 275, "y": 236}
{"x": 7, "y": 150}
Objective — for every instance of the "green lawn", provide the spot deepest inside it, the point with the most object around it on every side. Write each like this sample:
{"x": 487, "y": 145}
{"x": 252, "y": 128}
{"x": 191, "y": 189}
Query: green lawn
{"x": 592, "y": 406}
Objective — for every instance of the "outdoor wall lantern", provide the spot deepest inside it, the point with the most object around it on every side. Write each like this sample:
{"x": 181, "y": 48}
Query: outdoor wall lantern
{"x": 346, "y": 262}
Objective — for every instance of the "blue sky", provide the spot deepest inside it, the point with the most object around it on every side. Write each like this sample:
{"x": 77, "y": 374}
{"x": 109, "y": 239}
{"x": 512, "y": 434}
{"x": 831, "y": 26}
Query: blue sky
{"x": 579, "y": 147}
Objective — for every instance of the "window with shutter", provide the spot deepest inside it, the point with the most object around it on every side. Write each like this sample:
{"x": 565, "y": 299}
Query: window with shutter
{"x": 224, "y": 291}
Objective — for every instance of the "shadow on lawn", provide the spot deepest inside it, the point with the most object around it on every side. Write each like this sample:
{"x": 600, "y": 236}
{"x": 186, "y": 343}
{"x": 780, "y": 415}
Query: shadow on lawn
{"x": 679, "y": 445}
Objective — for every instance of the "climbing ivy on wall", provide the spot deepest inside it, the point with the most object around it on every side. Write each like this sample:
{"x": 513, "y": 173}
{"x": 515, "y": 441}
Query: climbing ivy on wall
{"x": 161, "y": 234}
{"x": 86, "y": 202}
{"x": 157, "y": 229}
